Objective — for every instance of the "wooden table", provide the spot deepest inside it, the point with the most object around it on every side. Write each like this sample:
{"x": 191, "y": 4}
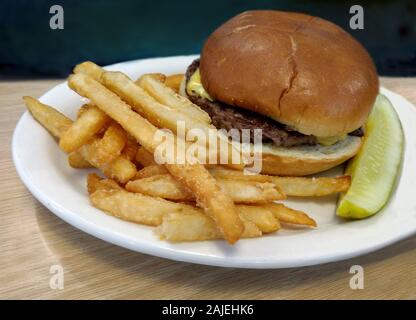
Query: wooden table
{"x": 32, "y": 239}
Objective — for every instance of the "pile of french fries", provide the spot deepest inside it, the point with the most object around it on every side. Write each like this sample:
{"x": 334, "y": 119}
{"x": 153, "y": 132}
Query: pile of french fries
{"x": 114, "y": 133}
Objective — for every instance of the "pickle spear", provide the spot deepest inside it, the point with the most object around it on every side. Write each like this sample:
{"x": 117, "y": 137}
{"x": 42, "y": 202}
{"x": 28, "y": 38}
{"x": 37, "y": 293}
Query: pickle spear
{"x": 375, "y": 168}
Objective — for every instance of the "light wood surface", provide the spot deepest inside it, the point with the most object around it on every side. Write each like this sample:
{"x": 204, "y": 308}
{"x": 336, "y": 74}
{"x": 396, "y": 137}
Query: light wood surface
{"x": 32, "y": 239}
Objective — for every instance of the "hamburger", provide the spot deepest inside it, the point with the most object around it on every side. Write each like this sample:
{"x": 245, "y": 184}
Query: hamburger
{"x": 304, "y": 81}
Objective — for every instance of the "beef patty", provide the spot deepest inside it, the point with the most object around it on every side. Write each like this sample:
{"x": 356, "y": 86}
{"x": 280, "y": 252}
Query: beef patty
{"x": 228, "y": 117}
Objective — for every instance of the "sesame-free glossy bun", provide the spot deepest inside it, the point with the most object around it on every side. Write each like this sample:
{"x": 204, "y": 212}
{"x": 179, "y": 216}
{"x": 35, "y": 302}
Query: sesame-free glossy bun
{"x": 299, "y": 70}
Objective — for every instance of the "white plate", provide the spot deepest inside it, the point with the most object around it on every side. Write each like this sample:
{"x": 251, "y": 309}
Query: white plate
{"x": 44, "y": 170}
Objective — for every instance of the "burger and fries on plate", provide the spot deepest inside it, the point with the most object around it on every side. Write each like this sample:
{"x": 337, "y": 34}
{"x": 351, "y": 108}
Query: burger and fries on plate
{"x": 305, "y": 83}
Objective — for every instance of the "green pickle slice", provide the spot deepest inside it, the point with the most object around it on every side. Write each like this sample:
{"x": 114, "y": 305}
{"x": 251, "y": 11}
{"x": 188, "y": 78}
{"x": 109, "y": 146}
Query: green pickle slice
{"x": 375, "y": 168}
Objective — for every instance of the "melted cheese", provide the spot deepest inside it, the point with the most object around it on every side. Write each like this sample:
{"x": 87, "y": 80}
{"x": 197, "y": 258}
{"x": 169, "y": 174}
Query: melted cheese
{"x": 328, "y": 141}
{"x": 195, "y": 87}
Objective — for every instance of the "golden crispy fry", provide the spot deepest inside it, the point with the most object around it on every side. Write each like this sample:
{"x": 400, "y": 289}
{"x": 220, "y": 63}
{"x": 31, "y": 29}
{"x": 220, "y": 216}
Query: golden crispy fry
{"x": 287, "y": 215}
{"x": 291, "y": 186}
{"x": 54, "y": 121}
{"x": 240, "y": 191}
{"x": 178, "y": 227}
{"x": 165, "y": 95}
{"x": 251, "y": 191}
{"x": 95, "y": 71}
{"x": 157, "y": 76}
{"x": 262, "y": 217}
{"x": 162, "y": 186}
{"x": 150, "y": 171}
{"x": 130, "y": 150}
{"x": 209, "y": 195}
{"x": 161, "y": 115}
{"x": 174, "y": 81}
{"x": 144, "y": 157}
{"x": 94, "y": 183}
{"x": 136, "y": 207}
{"x": 312, "y": 187}
{"x": 76, "y": 160}
{"x": 83, "y": 129}
{"x": 83, "y": 108}
{"x": 105, "y": 150}
{"x": 227, "y": 173}
{"x": 217, "y": 203}
{"x": 89, "y": 68}
{"x": 121, "y": 169}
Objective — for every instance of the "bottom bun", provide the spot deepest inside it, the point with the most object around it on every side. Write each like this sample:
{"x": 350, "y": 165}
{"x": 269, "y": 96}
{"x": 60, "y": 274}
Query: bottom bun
{"x": 305, "y": 160}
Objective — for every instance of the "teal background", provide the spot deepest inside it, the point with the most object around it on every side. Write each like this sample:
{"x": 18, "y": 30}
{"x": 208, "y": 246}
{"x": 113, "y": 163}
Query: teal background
{"x": 110, "y": 31}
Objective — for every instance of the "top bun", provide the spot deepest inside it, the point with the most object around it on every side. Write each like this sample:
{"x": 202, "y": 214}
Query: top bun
{"x": 300, "y": 70}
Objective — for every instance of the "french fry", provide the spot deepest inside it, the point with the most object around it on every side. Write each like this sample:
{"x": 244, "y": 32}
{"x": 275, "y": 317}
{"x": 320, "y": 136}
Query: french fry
{"x": 287, "y": 215}
{"x": 227, "y": 173}
{"x": 93, "y": 70}
{"x": 53, "y": 120}
{"x": 136, "y": 207}
{"x": 240, "y": 191}
{"x": 177, "y": 227}
{"x": 162, "y": 186}
{"x": 251, "y": 191}
{"x": 145, "y": 158}
{"x": 105, "y": 150}
{"x": 89, "y": 68}
{"x": 157, "y": 76}
{"x": 94, "y": 183}
{"x": 83, "y": 129}
{"x": 83, "y": 108}
{"x": 130, "y": 150}
{"x": 217, "y": 203}
{"x": 174, "y": 81}
{"x": 262, "y": 217}
{"x": 312, "y": 187}
{"x": 164, "y": 116}
{"x": 76, "y": 160}
{"x": 121, "y": 169}
{"x": 150, "y": 171}
{"x": 291, "y": 186}
{"x": 167, "y": 96}
{"x": 209, "y": 195}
